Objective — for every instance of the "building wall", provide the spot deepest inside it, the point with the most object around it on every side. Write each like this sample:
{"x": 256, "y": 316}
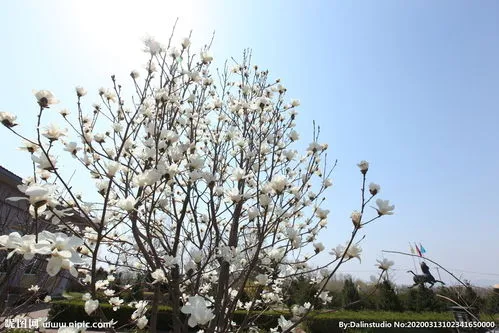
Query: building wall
{"x": 14, "y": 216}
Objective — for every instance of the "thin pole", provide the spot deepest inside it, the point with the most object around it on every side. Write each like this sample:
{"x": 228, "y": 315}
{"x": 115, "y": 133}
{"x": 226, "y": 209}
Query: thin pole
{"x": 413, "y": 261}
{"x": 438, "y": 271}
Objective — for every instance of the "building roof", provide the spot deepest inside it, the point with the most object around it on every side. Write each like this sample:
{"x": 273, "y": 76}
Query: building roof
{"x": 9, "y": 177}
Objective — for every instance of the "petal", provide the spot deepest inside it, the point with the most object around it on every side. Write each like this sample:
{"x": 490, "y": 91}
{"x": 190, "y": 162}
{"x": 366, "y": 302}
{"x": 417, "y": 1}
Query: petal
{"x": 74, "y": 242}
{"x": 36, "y": 191}
{"x": 11, "y": 253}
{"x": 66, "y": 254}
{"x": 42, "y": 248}
{"x": 74, "y": 272}
{"x": 192, "y": 321}
{"x": 186, "y": 309}
{"x": 29, "y": 255}
{"x": 54, "y": 266}
{"x": 4, "y": 239}
{"x": 17, "y": 198}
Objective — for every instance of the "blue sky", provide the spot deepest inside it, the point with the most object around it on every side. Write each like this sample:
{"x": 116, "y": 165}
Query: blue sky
{"x": 410, "y": 86}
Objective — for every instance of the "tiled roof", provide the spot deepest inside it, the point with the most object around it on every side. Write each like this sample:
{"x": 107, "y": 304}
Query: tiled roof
{"x": 10, "y": 175}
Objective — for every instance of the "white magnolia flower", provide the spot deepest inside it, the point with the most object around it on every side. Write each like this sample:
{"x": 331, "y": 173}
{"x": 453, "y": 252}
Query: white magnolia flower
{"x": 141, "y": 308}
{"x": 384, "y": 207}
{"x": 115, "y": 302}
{"x": 253, "y": 212}
{"x": 294, "y": 237}
{"x": 354, "y": 252}
{"x": 294, "y": 136}
{"x": 315, "y": 147}
{"x": 196, "y": 162}
{"x": 127, "y": 204}
{"x": 319, "y": 247}
{"x": 327, "y": 182}
{"x": 283, "y": 323}
{"x": 324, "y": 297}
{"x": 196, "y": 307}
{"x": 186, "y": 42}
{"x": 142, "y": 322}
{"x": 38, "y": 194}
{"x": 8, "y": 119}
{"x": 262, "y": 279}
{"x": 356, "y": 218}
{"x": 47, "y": 299}
{"x": 279, "y": 183}
{"x": 29, "y": 146}
{"x": 45, "y": 98}
{"x": 72, "y": 147}
{"x": 374, "y": 188}
{"x": 170, "y": 261}
{"x": 43, "y": 162}
{"x": 197, "y": 256}
{"x": 134, "y": 74}
{"x": 233, "y": 195}
{"x": 112, "y": 168}
{"x": 34, "y": 288}
{"x": 295, "y": 102}
{"x": 101, "y": 284}
{"x": 80, "y": 91}
{"x": 109, "y": 292}
{"x": 364, "y": 166}
{"x": 298, "y": 311}
{"x": 337, "y": 251}
{"x": 384, "y": 264}
{"x": 101, "y": 138}
{"x": 265, "y": 200}
{"x": 117, "y": 127}
{"x": 110, "y": 96}
{"x": 237, "y": 174}
{"x": 159, "y": 276}
{"x": 24, "y": 245}
{"x": 206, "y": 57}
{"x": 152, "y": 46}
{"x": 321, "y": 213}
{"x": 64, "y": 112}
{"x": 91, "y": 306}
{"x": 63, "y": 251}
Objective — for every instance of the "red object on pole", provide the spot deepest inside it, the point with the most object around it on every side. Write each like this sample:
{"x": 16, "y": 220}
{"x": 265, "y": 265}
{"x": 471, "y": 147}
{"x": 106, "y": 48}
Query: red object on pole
{"x": 417, "y": 249}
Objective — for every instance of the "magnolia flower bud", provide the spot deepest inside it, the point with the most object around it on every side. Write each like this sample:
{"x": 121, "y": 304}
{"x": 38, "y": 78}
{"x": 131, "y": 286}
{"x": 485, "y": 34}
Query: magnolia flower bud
{"x": 374, "y": 188}
{"x": 8, "y": 119}
{"x": 80, "y": 91}
{"x": 364, "y": 166}
{"x": 356, "y": 218}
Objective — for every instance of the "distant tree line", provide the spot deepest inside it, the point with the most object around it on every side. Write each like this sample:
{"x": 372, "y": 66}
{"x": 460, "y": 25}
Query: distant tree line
{"x": 385, "y": 296}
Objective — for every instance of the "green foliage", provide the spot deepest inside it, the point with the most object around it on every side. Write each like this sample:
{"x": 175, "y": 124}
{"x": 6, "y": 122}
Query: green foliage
{"x": 492, "y": 302}
{"x": 387, "y": 299}
{"x": 470, "y": 298}
{"x": 350, "y": 295}
{"x": 421, "y": 298}
{"x": 336, "y": 300}
{"x": 299, "y": 291}
{"x": 74, "y": 310}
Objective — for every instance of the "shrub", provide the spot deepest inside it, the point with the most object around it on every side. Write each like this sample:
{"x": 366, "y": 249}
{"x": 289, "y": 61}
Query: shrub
{"x": 351, "y": 298}
{"x": 387, "y": 299}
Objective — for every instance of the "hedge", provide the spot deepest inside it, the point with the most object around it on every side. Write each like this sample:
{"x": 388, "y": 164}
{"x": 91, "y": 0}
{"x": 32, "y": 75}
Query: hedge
{"x": 323, "y": 322}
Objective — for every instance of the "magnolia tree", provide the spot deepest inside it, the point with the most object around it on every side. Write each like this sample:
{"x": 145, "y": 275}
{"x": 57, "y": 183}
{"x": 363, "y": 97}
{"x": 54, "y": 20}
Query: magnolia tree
{"x": 197, "y": 185}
